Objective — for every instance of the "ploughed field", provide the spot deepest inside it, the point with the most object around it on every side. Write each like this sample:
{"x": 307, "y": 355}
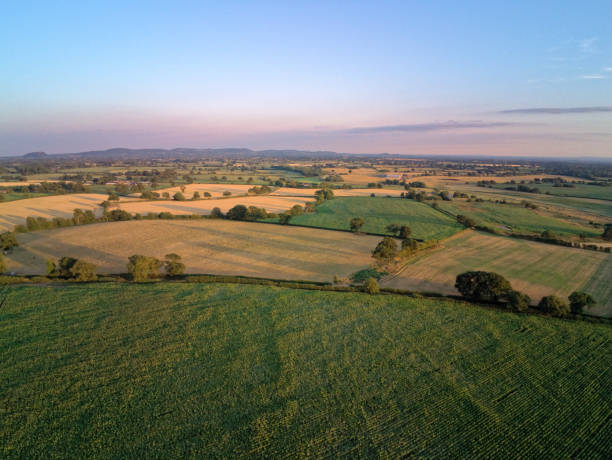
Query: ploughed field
{"x": 212, "y": 246}
{"x": 535, "y": 268}
{"x": 212, "y": 370}
{"x": 425, "y": 222}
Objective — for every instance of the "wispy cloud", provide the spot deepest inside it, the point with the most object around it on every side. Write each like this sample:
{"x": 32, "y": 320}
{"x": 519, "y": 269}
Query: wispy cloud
{"x": 425, "y": 127}
{"x": 607, "y": 69}
{"x": 557, "y": 110}
{"x": 596, "y": 76}
{"x": 587, "y": 45}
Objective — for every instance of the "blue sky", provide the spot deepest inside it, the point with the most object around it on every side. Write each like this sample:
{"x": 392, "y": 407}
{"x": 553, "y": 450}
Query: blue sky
{"x": 404, "y": 77}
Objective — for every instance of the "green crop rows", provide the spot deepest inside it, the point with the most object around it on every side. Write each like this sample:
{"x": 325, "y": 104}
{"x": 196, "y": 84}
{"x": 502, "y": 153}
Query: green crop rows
{"x": 212, "y": 370}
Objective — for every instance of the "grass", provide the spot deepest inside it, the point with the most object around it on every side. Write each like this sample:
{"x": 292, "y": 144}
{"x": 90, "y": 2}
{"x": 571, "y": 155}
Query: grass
{"x": 578, "y": 190}
{"x": 218, "y": 371}
{"x": 514, "y": 217}
{"x": 207, "y": 246}
{"x": 534, "y": 268}
{"x": 378, "y": 213}
{"x": 13, "y": 196}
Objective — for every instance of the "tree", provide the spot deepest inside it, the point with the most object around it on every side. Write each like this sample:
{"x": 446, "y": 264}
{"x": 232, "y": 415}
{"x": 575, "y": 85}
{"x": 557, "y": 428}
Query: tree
{"x": 386, "y": 250}
{"x": 554, "y": 305}
{"x": 284, "y": 218}
{"x": 207, "y": 195}
{"x": 117, "y": 215}
{"x": 196, "y": 195}
{"x": 324, "y": 194}
{"x": 173, "y": 265}
{"x": 143, "y": 268}
{"x": 51, "y": 268}
{"x": 405, "y": 231}
{"x": 607, "y": 233}
{"x": 579, "y": 300}
{"x": 83, "y": 271}
{"x": 238, "y": 212}
{"x": 216, "y": 213}
{"x": 371, "y": 286}
{"x": 483, "y": 286}
{"x": 178, "y": 196}
{"x": 113, "y": 197}
{"x": 65, "y": 266}
{"x": 8, "y": 241}
{"x": 548, "y": 234}
{"x": 466, "y": 221}
{"x": 356, "y": 224}
{"x": 410, "y": 244}
{"x": 2, "y": 264}
{"x": 517, "y": 301}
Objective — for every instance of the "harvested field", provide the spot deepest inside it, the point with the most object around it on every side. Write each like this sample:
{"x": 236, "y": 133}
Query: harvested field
{"x": 207, "y": 246}
{"x": 15, "y": 212}
{"x": 309, "y": 192}
{"x": 535, "y": 268}
{"x": 270, "y": 203}
{"x": 216, "y": 190}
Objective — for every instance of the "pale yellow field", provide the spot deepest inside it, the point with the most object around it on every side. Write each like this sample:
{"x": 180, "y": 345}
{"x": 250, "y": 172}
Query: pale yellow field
{"x": 534, "y": 268}
{"x": 449, "y": 181}
{"x": 270, "y": 203}
{"x": 207, "y": 246}
{"x": 361, "y": 176}
{"x": 216, "y": 190}
{"x": 27, "y": 182}
{"x": 15, "y": 212}
{"x": 309, "y": 192}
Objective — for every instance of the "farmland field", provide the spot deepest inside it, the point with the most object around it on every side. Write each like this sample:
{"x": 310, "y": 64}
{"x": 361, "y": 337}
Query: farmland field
{"x": 578, "y": 190}
{"x": 270, "y": 203}
{"x": 286, "y": 191}
{"x": 534, "y": 268}
{"x": 207, "y": 246}
{"x": 426, "y": 223}
{"x": 218, "y": 371}
{"x": 513, "y": 217}
{"x": 15, "y": 212}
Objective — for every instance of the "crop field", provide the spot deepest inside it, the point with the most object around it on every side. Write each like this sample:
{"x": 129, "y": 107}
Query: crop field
{"x": 211, "y": 246}
{"x": 510, "y": 217}
{"x": 287, "y": 191}
{"x": 578, "y": 190}
{"x": 218, "y": 371}
{"x": 270, "y": 203}
{"x": 15, "y": 212}
{"x": 216, "y": 190}
{"x": 426, "y": 223}
{"x": 534, "y": 268}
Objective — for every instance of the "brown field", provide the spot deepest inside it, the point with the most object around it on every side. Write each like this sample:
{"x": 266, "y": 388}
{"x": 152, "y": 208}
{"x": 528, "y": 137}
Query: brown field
{"x": 15, "y": 212}
{"x": 535, "y": 268}
{"x": 207, "y": 246}
{"x": 309, "y": 192}
{"x": 271, "y": 204}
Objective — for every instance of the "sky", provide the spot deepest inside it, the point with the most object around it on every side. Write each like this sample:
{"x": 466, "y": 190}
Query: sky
{"x": 525, "y": 78}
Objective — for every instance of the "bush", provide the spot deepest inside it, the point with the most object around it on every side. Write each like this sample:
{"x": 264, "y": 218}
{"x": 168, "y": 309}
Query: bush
{"x": 466, "y": 221}
{"x": 216, "y": 213}
{"x": 238, "y": 212}
{"x": 84, "y": 271}
{"x": 117, "y": 215}
{"x": 579, "y": 300}
{"x": 178, "y": 196}
{"x": 483, "y": 286}
{"x": 356, "y": 224}
{"x": 173, "y": 265}
{"x": 2, "y": 264}
{"x": 517, "y": 301}
{"x": 386, "y": 249}
{"x": 143, "y": 268}
{"x": 554, "y": 305}
{"x": 8, "y": 241}
{"x": 371, "y": 286}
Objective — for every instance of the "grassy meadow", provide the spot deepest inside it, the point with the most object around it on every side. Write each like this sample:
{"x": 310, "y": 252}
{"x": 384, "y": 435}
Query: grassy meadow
{"x": 196, "y": 370}
{"x": 534, "y": 268}
{"x": 378, "y": 213}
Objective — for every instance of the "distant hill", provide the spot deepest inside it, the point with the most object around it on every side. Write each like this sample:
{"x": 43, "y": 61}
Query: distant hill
{"x": 35, "y": 155}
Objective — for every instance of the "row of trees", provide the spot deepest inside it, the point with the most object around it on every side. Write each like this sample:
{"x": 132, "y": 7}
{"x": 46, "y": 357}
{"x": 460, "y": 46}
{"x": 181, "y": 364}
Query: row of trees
{"x": 492, "y": 287}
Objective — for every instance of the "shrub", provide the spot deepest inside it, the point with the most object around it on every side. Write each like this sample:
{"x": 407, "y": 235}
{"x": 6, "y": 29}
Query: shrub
{"x": 579, "y": 300}
{"x": 173, "y": 265}
{"x": 143, "y": 268}
{"x": 216, "y": 213}
{"x": 284, "y": 218}
{"x": 178, "y": 196}
{"x": 84, "y": 271}
{"x": 118, "y": 215}
{"x": 356, "y": 224}
{"x": 607, "y": 233}
{"x": 466, "y": 221}
{"x": 2, "y": 264}
{"x": 517, "y": 301}
{"x": 196, "y": 196}
{"x": 65, "y": 265}
{"x": 386, "y": 249}
{"x": 371, "y": 286}
{"x": 554, "y": 305}
{"x": 8, "y": 241}
{"x": 483, "y": 286}
{"x": 238, "y": 212}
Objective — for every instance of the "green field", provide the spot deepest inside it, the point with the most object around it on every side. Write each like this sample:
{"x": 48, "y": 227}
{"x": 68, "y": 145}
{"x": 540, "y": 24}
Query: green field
{"x": 12, "y": 196}
{"x": 217, "y": 371}
{"x": 514, "y": 217}
{"x": 578, "y": 190}
{"x": 378, "y": 212}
